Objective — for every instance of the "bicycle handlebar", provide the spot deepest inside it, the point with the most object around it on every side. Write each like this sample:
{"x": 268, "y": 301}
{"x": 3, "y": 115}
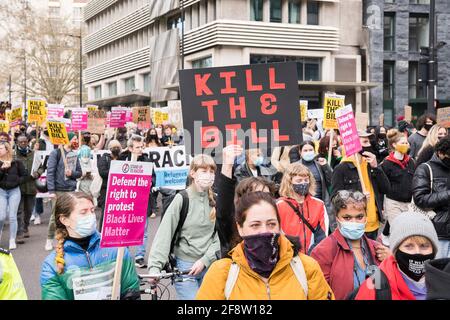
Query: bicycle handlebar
{"x": 164, "y": 275}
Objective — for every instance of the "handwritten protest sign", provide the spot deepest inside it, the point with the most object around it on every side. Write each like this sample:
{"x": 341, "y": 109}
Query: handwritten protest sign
{"x": 251, "y": 105}
{"x": 315, "y": 113}
{"x": 39, "y": 158}
{"x": 175, "y": 113}
{"x": 118, "y": 117}
{"x": 4, "y": 126}
{"x": 57, "y": 132}
{"x": 15, "y": 116}
{"x": 55, "y": 111}
{"x": 381, "y": 120}
{"x": 304, "y": 110}
{"x": 142, "y": 117}
{"x": 79, "y": 119}
{"x": 362, "y": 120}
{"x": 96, "y": 121}
{"x": 170, "y": 165}
{"x": 408, "y": 113}
{"x": 332, "y": 103}
{"x": 443, "y": 117}
{"x": 36, "y": 111}
{"x": 160, "y": 116}
{"x": 128, "y": 190}
{"x": 348, "y": 130}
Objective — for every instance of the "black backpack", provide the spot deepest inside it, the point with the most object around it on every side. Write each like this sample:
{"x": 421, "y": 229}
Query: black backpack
{"x": 171, "y": 264}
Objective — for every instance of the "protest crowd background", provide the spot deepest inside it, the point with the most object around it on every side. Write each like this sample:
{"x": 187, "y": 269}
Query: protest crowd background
{"x": 338, "y": 209}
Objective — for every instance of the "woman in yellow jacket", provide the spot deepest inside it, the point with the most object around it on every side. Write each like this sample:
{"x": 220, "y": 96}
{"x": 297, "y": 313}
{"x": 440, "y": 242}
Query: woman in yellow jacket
{"x": 264, "y": 265}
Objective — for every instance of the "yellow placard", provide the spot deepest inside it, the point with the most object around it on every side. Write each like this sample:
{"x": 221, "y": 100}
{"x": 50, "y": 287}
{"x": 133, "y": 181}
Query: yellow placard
{"x": 4, "y": 126}
{"x": 91, "y": 107}
{"x": 303, "y": 110}
{"x": 36, "y": 111}
{"x": 57, "y": 132}
{"x": 15, "y": 117}
{"x": 331, "y": 104}
{"x": 8, "y": 115}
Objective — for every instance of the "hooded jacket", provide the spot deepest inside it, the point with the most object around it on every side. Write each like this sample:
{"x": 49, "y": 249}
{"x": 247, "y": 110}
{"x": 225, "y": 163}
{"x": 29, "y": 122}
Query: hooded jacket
{"x": 437, "y": 197}
{"x": 56, "y": 177}
{"x": 400, "y": 175}
{"x": 12, "y": 177}
{"x": 80, "y": 262}
{"x": 437, "y": 279}
{"x": 282, "y": 283}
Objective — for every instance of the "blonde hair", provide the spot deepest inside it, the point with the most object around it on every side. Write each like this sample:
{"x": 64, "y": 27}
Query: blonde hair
{"x": 432, "y": 137}
{"x": 8, "y": 148}
{"x": 204, "y": 161}
{"x": 293, "y": 170}
{"x": 418, "y": 240}
{"x": 394, "y": 136}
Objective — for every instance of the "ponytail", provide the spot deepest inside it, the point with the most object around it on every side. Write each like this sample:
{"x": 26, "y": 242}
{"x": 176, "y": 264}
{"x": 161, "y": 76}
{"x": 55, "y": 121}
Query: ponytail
{"x": 61, "y": 235}
{"x": 212, "y": 203}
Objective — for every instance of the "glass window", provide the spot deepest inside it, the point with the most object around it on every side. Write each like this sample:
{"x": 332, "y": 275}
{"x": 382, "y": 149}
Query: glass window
{"x": 416, "y": 90}
{"x": 256, "y": 10}
{"x": 419, "y": 1}
{"x": 275, "y": 10}
{"x": 53, "y": 11}
{"x": 388, "y": 80}
{"x": 418, "y": 32}
{"x": 389, "y": 32}
{"x": 98, "y": 92}
{"x": 308, "y": 69}
{"x": 112, "y": 89}
{"x": 312, "y": 69}
{"x": 146, "y": 82}
{"x": 202, "y": 63}
{"x": 313, "y": 13}
{"x": 129, "y": 84}
{"x": 294, "y": 11}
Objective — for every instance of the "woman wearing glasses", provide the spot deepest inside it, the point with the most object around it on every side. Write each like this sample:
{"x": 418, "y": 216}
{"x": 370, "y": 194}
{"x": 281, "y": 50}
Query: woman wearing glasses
{"x": 348, "y": 256}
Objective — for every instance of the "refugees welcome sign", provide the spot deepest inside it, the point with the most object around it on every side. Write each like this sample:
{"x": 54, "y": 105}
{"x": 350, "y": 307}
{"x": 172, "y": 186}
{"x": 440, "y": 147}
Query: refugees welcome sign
{"x": 250, "y": 105}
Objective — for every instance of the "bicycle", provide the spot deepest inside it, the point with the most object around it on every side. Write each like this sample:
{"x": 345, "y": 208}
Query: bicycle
{"x": 175, "y": 276}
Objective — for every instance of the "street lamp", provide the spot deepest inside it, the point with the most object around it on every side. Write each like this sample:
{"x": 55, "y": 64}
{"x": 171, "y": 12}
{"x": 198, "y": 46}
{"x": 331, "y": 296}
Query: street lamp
{"x": 81, "y": 66}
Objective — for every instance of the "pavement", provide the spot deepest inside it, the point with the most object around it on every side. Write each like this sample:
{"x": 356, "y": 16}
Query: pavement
{"x": 29, "y": 256}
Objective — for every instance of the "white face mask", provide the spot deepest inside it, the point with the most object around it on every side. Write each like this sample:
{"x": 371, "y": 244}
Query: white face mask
{"x": 205, "y": 180}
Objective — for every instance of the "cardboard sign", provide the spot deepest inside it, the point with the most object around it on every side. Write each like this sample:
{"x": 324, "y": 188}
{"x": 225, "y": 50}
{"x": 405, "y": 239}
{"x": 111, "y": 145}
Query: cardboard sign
{"x": 55, "y": 111}
{"x": 57, "y": 132}
{"x": 303, "y": 110}
{"x": 443, "y": 117}
{"x": 96, "y": 121}
{"x": 142, "y": 117}
{"x": 408, "y": 114}
{"x": 4, "y": 126}
{"x": 170, "y": 165}
{"x": 15, "y": 116}
{"x": 348, "y": 130}
{"x": 332, "y": 103}
{"x": 175, "y": 113}
{"x": 315, "y": 113}
{"x": 80, "y": 119}
{"x": 118, "y": 117}
{"x": 39, "y": 158}
{"x": 250, "y": 105}
{"x": 36, "y": 111}
{"x": 7, "y": 116}
{"x": 362, "y": 120}
{"x": 381, "y": 120}
{"x": 128, "y": 190}
{"x": 160, "y": 116}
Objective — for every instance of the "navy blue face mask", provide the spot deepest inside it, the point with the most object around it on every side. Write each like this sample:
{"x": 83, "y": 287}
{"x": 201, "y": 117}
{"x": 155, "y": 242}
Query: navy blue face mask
{"x": 262, "y": 252}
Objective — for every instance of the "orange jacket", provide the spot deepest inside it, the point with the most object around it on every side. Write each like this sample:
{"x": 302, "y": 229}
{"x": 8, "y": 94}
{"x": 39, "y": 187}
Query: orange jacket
{"x": 281, "y": 285}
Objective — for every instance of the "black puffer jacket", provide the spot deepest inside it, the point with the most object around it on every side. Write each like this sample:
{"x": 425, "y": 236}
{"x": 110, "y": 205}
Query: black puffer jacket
{"x": 12, "y": 177}
{"x": 437, "y": 197}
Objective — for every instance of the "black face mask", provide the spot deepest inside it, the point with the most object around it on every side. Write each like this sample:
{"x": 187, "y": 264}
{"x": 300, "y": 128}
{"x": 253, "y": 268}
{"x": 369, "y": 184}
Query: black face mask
{"x": 46, "y": 132}
{"x": 154, "y": 137}
{"x": 413, "y": 265}
{"x": 261, "y": 251}
{"x": 87, "y": 139}
{"x": 382, "y": 136}
{"x": 367, "y": 149}
{"x": 428, "y": 126}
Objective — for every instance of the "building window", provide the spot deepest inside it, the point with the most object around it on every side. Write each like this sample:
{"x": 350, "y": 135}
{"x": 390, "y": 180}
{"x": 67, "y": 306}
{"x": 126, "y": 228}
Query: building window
{"x": 98, "y": 92}
{"x": 202, "y": 63}
{"x": 129, "y": 85}
{"x": 112, "y": 89}
{"x": 53, "y": 11}
{"x": 313, "y": 13}
{"x": 146, "y": 78}
{"x": 419, "y": 1}
{"x": 256, "y": 10}
{"x": 416, "y": 90}
{"x": 418, "y": 32}
{"x": 275, "y": 10}
{"x": 294, "y": 11}
{"x": 308, "y": 69}
{"x": 389, "y": 32}
{"x": 388, "y": 80}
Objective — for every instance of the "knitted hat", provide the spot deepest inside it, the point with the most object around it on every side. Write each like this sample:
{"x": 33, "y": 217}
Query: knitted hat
{"x": 71, "y": 135}
{"x": 409, "y": 224}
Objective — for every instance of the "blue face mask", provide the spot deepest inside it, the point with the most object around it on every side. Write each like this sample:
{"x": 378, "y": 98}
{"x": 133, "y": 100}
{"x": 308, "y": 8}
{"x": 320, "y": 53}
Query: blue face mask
{"x": 86, "y": 226}
{"x": 259, "y": 161}
{"x": 308, "y": 156}
{"x": 352, "y": 230}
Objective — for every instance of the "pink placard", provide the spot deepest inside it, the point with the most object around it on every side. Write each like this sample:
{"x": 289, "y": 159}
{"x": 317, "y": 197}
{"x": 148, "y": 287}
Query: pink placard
{"x": 348, "y": 130}
{"x": 129, "y": 115}
{"x": 108, "y": 119}
{"x": 118, "y": 117}
{"x": 126, "y": 204}
{"x": 55, "y": 111}
{"x": 79, "y": 119}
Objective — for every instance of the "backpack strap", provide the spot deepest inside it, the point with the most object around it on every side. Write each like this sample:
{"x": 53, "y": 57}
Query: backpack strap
{"x": 431, "y": 176}
{"x": 183, "y": 214}
{"x": 233, "y": 274}
{"x": 299, "y": 271}
{"x": 300, "y": 215}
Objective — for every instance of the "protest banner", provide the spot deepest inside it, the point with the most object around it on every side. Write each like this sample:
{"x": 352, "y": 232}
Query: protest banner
{"x": 7, "y": 116}
{"x": 255, "y": 103}
{"x": 91, "y": 107}
{"x": 349, "y": 135}
{"x": 175, "y": 113}
{"x": 303, "y": 110}
{"x": 142, "y": 117}
{"x": 362, "y": 121}
{"x": 80, "y": 119}
{"x": 170, "y": 166}
{"x": 443, "y": 117}
{"x": 55, "y": 111}
{"x": 39, "y": 158}
{"x": 129, "y": 115}
{"x": 4, "y": 126}
{"x": 15, "y": 116}
{"x": 36, "y": 111}
{"x": 408, "y": 114}
{"x": 118, "y": 117}
{"x": 315, "y": 113}
{"x": 96, "y": 121}
{"x": 332, "y": 103}
{"x": 160, "y": 116}
{"x": 57, "y": 132}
